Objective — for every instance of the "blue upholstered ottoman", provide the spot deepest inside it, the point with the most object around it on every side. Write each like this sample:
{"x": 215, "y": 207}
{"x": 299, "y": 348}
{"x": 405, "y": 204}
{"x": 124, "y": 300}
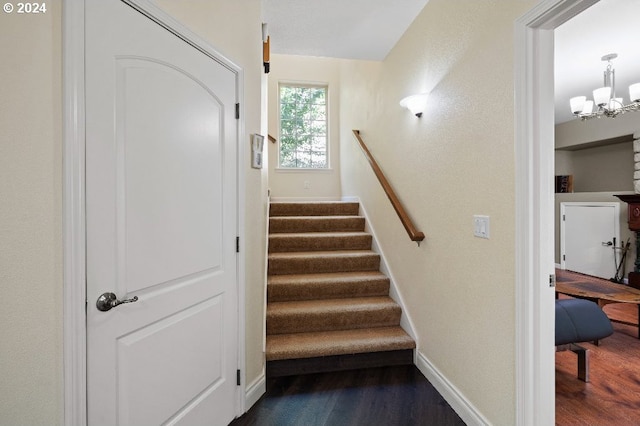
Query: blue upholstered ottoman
{"x": 579, "y": 320}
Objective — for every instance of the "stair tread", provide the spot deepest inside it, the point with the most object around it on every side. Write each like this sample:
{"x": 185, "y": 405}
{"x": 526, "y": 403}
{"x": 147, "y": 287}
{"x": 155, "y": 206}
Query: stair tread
{"x": 319, "y": 234}
{"x": 329, "y": 277}
{"x": 334, "y": 285}
{"x": 329, "y": 306}
{"x": 316, "y": 207}
{"x": 324, "y": 253}
{"x": 327, "y": 343}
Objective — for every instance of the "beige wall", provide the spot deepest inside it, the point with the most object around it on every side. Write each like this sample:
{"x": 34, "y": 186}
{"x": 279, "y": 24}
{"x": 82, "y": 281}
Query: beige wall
{"x": 31, "y": 364}
{"x": 454, "y": 162}
{"x": 602, "y": 168}
{"x": 322, "y": 184}
{"x": 30, "y": 219}
{"x": 577, "y": 132}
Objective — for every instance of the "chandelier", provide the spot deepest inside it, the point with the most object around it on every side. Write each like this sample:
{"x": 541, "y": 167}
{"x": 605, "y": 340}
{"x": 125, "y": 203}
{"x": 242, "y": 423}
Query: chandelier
{"x": 605, "y": 102}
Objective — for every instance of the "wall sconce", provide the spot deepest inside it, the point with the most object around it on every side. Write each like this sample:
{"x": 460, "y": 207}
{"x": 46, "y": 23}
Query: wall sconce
{"x": 415, "y": 103}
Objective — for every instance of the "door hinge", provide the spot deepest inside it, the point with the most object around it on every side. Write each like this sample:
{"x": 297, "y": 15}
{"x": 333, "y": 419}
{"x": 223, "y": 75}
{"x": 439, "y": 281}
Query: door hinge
{"x": 564, "y": 217}
{"x": 564, "y": 257}
{"x": 237, "y": 244}
{"x": 552, "y": 280}
{"x": 238, "y": 377}
{"x": 237, "y": 111}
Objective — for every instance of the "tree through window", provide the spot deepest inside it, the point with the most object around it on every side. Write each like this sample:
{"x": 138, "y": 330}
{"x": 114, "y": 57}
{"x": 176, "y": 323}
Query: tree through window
{"x": 303, "y": 127}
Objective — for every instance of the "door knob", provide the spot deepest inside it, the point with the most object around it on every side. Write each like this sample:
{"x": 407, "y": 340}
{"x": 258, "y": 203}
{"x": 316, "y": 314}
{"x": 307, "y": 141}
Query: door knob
{"x": 607, "y": 244}
{"x": 108, "y": 300}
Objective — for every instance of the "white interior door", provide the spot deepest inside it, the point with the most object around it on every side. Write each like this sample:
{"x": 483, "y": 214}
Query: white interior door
{"x": 161, "y": 224}
{"x": 588, "y": 234}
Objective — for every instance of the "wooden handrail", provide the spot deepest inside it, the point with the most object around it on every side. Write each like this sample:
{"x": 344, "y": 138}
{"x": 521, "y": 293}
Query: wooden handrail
{"x": 414, "y": 234}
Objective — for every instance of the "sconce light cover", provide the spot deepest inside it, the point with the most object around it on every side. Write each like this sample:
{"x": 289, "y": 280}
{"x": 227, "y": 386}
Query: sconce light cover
{"x": 415, "y": 103}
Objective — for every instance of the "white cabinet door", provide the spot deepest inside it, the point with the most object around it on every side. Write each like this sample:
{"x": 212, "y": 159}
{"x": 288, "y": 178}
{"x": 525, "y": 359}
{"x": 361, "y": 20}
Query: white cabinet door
{"x": 161, "y": 224}
{"x": 588, "y": 232}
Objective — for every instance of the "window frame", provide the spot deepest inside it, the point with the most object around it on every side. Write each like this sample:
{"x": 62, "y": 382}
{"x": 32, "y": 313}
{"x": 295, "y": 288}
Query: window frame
{"x": 324, "y": 86}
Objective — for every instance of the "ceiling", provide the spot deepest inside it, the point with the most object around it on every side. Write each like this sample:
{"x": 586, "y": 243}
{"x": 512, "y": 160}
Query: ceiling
{"x": 368, "y": 29}
{"x": 609, "y": 26}
{"x": 350, "y": 29}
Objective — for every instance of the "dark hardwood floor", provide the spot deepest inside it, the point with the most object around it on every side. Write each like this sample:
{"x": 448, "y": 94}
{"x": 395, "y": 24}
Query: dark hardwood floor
{"x": 612, "y": 397}
{"x": 398, "y": 395}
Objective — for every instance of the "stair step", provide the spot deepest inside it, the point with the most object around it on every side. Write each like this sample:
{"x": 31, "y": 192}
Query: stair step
{"x": 289, "y": 224}
{"x": 317, "y": 262}
{"x": 332, "y": 314}
{"x": 281, "y": 288}
{"x": 319, "y": 241}
{"x": 328, "y": 343}
{"x": 325, "y": 208}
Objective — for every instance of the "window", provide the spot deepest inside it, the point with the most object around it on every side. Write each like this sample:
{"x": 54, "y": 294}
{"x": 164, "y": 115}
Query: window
{"x": 303, "y": 127}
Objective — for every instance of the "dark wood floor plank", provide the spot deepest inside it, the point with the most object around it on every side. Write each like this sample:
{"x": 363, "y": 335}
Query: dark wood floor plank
{"x": 397, "y": 395}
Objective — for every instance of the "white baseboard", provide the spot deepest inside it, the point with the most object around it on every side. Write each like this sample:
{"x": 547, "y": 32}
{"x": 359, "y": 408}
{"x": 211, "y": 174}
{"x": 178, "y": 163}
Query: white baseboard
{"x": 255, "y": 390}
{"x": 467, "y": 412}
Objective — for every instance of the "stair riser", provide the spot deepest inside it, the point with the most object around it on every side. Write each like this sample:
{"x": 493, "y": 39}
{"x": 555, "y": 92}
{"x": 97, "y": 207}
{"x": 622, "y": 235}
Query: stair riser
{"x": 314, "y": 209}
{"x": 310, "y": 243}
{"x": 325, "y": 364}
{"x": 300, "y": 323}
{"x": 311, "y": 291}
{"x": 297, "y": 224}
{"x": 319, "y": 265}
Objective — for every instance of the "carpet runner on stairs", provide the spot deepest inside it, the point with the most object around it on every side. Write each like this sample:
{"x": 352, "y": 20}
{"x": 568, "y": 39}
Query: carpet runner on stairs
{"x": 326, "y": 297}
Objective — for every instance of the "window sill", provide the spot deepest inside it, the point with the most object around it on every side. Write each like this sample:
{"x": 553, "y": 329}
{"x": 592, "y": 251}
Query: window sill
{"x": 292, "y": 170}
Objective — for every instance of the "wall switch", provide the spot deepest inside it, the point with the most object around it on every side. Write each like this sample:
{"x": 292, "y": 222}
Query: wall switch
{"x": 481, "y": 226}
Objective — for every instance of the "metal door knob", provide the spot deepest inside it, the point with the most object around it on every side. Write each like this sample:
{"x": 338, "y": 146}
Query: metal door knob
{"x": 108, "y": 300}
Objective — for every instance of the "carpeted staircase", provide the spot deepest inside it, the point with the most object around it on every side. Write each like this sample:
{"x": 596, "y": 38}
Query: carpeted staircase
{"x": 328, "y": 304}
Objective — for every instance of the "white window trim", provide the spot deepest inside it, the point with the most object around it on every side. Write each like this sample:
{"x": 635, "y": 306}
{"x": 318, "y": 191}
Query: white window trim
{"x": 324, "y": 85}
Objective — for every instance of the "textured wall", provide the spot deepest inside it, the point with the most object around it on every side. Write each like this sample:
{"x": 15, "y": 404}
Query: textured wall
{"x": 30, "y": 218}
{"x": 454, "y": 162}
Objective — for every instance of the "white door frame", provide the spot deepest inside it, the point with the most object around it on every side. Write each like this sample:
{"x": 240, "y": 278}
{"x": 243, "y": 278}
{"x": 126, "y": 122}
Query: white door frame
{"x": 73, "y": 200}
{"x": 534, "y": 249}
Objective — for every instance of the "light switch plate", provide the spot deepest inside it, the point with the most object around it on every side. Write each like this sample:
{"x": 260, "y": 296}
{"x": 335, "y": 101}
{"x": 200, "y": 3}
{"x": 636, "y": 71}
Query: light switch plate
{"x": 481, "y": 226}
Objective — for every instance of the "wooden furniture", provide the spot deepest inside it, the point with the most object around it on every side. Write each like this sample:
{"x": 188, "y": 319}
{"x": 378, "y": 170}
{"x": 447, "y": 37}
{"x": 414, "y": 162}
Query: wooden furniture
{"x": 602, "y": 292}
{"x": 633, "y": 220}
